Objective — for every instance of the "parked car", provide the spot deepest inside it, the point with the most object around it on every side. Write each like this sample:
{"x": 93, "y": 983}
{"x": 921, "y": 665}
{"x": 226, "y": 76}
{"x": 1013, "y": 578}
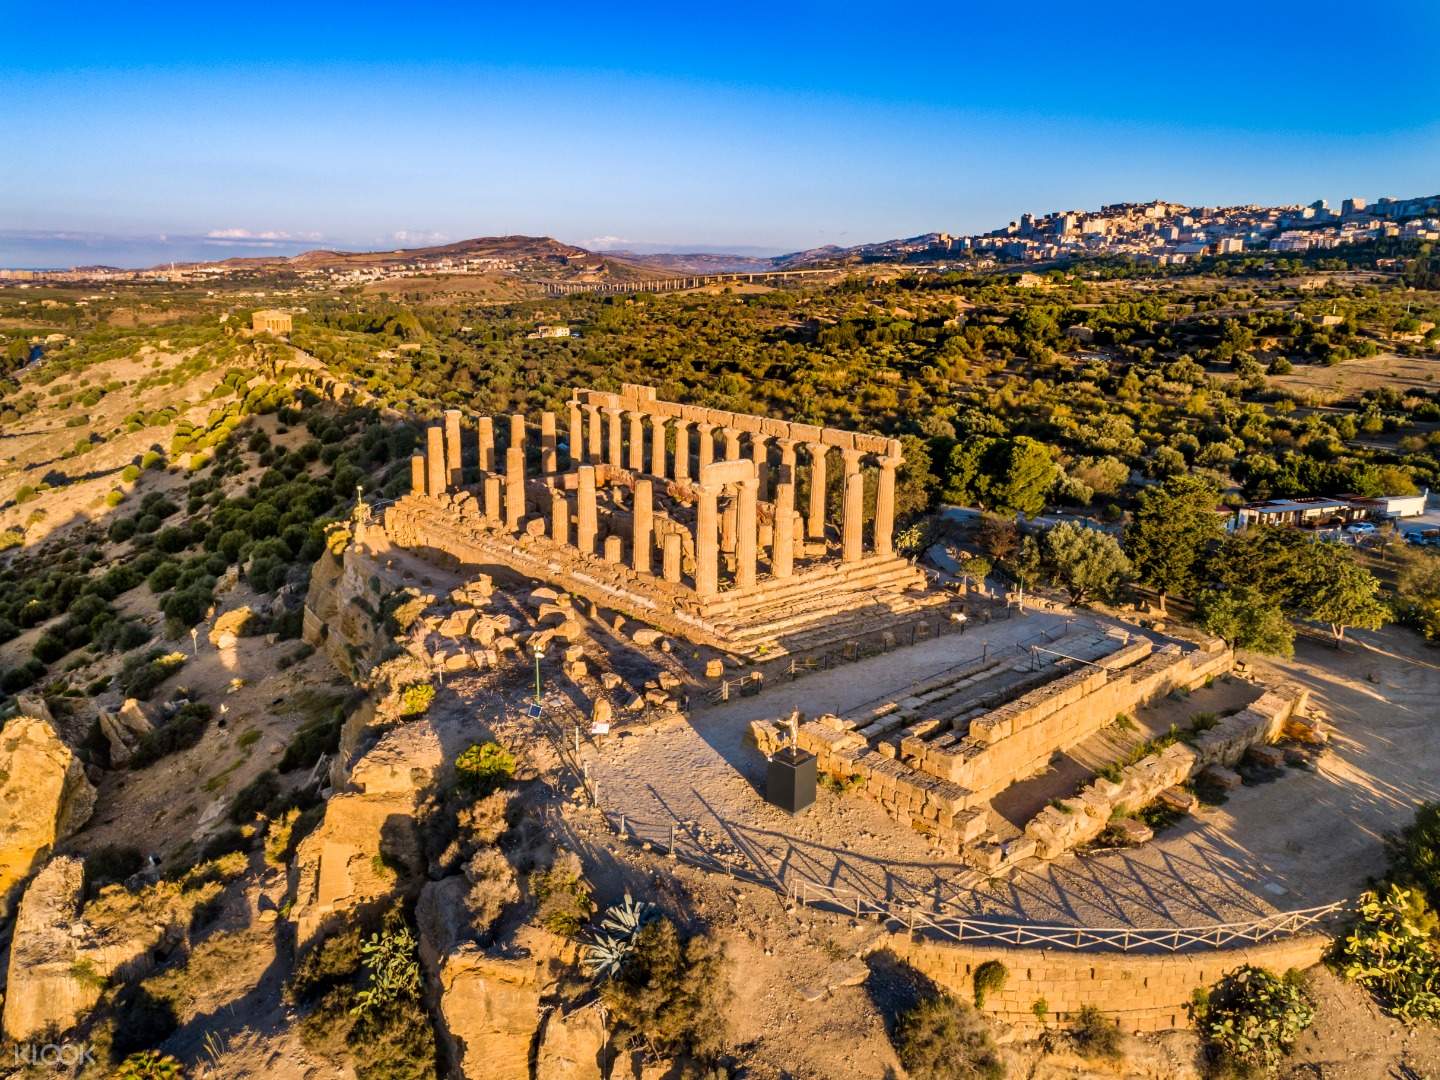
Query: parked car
{"x": 1362, "y": 528}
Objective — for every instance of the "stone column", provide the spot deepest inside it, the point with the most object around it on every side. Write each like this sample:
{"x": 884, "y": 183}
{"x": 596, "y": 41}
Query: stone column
{"x": 782, "y": 534}
{"x": 885, "y": 507}
{"x": 670, "y": 557}
{"x": 549, "y": 453}
{"x": 486, "y": 426}
{"x": 707, "y": 542}
{"x": 815, "y": 525}
{"x": 852, "y": 532}
{"x": 592, "y": 449}
{"x": 732, "y": 444}
{"x": 559, "y": 517}
{"x": 493, "y": 511}
{"x": 614, "y": 455}
{"x": 657, "y": 446}
{"x": 517, "y": 430}
{"x": 586, "y": 519}
{"x": 637, "y": 440}
{"x": 453, "y": 475}
{"x": 417, "y": 474}
{"x": 787, "y": 459}
{"x": 746, "y": 526}
{"x": 434, "y": 460}
{"x": 759, "y": 453}
{"x": 577, "y": 434}
{"x": 643, "y": 523}
{"x": 682, "y": 449}
{"x": 707, "y": 444}
{"x": 514, "y": 487}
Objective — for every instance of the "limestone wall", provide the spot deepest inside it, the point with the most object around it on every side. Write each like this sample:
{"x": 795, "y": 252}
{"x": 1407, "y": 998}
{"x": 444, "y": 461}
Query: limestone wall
{"x": 1078, "y": 820}
{"x": 1018, "y": 738}
{"x": 1141, "y": 992}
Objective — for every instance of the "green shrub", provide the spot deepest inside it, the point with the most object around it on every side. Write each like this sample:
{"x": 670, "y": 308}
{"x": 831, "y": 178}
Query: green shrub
{"x": 415, "y": 699}
{"x": 1393, "y": 951}
{"x": 482, "y": 768}
{"x": 669, "y": 995}
{"x": 141, "y": 676}
{"x": 130, "y": 473}
{"x": 150, "y": 1065}
{"x": 312, "y": 741}
{"x": 254, "y": 797}
{"x": 1415, "y": 854}
{"x": 989, "y": 978}
{"x": 391, "y": 959}
{"x": 182, "y": 731}
{"x": 565, "y": 904}
{"x": 364, "y": 1004}
{"x": 1251, "y": 1018}
{"x": 942, "y": 1038}
{"x": 1096, "y": 1035}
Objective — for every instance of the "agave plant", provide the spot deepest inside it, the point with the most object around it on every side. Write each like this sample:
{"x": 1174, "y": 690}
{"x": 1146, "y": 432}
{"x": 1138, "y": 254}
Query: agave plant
{"x": 606, "y": 952}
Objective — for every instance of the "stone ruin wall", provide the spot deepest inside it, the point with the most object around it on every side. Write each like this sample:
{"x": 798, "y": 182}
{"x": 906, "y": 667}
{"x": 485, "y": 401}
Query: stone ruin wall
{"x": 1085, "y": 816}
{"x": 1018, "y": 738}
{"x": 946, "y": 795}
{"x": 1141, "y": 992}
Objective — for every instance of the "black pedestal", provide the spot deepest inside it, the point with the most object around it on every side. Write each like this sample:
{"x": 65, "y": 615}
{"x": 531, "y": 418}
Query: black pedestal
{"x": 790, "y": 780}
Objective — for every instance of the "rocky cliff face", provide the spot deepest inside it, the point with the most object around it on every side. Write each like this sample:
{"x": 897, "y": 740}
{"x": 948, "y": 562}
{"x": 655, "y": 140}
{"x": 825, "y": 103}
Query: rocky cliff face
{"x": 59, "y": 961}
{"x": 342, "y": 613}
{"x": 44, "y": 795}
{"x": 490, "y": 1008}
{"x": 349, "y": 863}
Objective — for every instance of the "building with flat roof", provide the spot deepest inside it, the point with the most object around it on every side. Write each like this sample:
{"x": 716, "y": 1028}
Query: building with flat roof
{"x": 270, "y": 321}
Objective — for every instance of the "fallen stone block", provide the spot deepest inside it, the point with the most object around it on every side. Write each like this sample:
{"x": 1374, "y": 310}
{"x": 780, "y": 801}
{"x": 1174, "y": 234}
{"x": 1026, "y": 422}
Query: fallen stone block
{"x": 1269, "y": 757}
{"x": 1131, "y": 830}
{"x": 1177, "y": 799}
{"x": 1221, "y": 777}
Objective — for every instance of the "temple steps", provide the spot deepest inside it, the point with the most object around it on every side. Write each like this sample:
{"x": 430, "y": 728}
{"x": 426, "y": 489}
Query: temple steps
{"x": 888, "y": 574}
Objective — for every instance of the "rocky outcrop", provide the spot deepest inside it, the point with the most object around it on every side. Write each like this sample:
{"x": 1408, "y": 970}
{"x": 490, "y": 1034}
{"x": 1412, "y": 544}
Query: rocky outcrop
{"x": 342, "y": 613}
{"x": 349, "y": 864}
{"x": 490, "y": 1005}
{"x": 572, "y": 1046}
{"x": 44, "y": 794}
{"x": 58, "y": 962}
{"x": 230, "y": 627}
{"x": 124, "y": 729}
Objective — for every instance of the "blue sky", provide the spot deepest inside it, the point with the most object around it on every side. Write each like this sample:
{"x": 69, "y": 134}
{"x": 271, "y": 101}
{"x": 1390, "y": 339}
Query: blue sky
{"x": 135, "y": 133}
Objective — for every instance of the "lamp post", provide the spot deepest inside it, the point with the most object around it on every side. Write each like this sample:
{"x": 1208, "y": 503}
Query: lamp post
{"x": 539, "y": 655}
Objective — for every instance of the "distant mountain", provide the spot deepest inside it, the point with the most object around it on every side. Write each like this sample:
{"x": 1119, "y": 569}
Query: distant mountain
{"x": 510, "y": 248}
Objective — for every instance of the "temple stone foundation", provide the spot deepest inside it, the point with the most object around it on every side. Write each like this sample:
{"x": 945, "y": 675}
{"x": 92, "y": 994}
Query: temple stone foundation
{"x": 700, "y": 535}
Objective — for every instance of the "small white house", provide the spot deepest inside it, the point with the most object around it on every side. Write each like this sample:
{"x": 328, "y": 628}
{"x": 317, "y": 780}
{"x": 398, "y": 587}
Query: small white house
{"x": 1393, "y": 506}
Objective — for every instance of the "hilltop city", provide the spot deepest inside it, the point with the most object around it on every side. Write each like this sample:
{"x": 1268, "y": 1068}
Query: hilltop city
{"x": 1156, "y": 233}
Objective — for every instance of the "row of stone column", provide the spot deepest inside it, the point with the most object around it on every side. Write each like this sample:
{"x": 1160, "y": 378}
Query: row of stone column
{"x": 439, "y": 470}
{"x": 596, "y": 438}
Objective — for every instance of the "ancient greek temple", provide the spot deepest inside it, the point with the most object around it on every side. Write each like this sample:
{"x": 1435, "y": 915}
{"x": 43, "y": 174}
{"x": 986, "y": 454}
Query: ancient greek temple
{"x": 680, "y": 508}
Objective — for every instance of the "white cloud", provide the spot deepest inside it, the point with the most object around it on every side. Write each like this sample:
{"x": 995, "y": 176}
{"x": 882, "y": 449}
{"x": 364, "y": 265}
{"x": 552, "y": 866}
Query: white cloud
{"x": 272, "y": 235}
{"x": 409, "y": 236}
{"x": 602, "y": 242}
